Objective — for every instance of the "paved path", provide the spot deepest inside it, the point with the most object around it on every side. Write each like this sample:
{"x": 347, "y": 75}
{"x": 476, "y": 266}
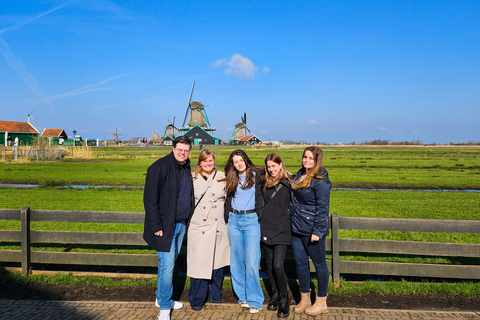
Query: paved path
{"x": 89, "y": 310}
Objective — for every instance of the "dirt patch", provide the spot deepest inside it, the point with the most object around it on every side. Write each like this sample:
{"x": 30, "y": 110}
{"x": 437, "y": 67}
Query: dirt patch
{"x": 142, "y": 294}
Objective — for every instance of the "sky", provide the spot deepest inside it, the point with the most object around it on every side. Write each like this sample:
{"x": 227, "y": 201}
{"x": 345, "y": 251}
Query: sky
{"x": 333, "y": 71}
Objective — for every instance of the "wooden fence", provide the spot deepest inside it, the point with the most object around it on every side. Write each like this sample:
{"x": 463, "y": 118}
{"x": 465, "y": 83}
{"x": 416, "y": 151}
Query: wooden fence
{"x": 335, "y": 244}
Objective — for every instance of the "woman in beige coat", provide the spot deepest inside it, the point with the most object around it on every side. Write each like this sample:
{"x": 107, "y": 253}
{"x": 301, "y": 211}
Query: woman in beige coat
{"x": 208, "y": 247}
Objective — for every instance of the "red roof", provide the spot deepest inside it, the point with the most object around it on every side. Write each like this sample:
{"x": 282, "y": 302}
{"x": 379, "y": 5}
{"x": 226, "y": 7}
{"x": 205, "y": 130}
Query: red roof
{"x": 52, "y": 132}
{"x": 158, "y": 140}
{"x": 17, "y": 127}
{"x": 244, "y": 139}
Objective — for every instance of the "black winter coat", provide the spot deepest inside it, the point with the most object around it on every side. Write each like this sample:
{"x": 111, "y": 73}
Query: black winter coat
{"x": 259, "y": 202}
{"x": 316, "y": 198}
{"x": 160, "y": 197}
{"x": 275, "y": 222}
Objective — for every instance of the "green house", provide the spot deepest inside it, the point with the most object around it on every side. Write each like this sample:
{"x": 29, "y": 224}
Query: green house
{"x": 24, "y": 131}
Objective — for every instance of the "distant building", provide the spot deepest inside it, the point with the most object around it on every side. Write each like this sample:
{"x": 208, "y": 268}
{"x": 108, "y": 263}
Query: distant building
{"x": 199, "y": 135}
{"x": 248, "y": 141}
{"x": 24, "y": 131}
{"x": 54, "y": 135}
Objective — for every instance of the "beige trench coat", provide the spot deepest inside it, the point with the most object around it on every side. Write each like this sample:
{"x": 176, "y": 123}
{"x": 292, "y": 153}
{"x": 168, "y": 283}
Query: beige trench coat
{"x": 208, "y": 247}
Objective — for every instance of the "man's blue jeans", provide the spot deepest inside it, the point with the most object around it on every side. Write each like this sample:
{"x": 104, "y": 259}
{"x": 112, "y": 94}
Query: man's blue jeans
{"x": 302, "y": 247}
{"x": 244, "y": 236}
{"x": 166, "y": 263}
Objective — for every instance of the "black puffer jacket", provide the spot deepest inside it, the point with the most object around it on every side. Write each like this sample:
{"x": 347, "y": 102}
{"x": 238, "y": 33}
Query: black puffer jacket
{"x": 316, "y": 198}
{"x": 275, "y": 222}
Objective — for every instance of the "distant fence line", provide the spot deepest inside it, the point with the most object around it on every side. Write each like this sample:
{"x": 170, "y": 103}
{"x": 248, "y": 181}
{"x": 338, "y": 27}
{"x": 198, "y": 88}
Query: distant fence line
{"x": 335, "y": 244}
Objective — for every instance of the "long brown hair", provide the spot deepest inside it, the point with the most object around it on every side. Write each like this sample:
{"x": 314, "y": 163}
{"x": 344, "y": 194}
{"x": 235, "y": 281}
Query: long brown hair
{"x": 232, "y": 178}
{"x": 313, "y": 172}
{"x": 282, "y": 174}
{"x": 203, "y": 156}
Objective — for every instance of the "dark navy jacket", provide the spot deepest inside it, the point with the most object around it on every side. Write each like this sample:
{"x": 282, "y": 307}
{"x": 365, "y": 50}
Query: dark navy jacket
{"x": 160, "y": 199}
{"x": 317, "y": 197}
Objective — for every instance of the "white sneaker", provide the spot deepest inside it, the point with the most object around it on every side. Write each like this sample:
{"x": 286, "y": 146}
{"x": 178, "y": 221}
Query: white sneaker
{"x": 254, "y": 310}
{"x": 176, "y": 304}
{"x": 164, "y": 314}
{"x": 244, "y": 305}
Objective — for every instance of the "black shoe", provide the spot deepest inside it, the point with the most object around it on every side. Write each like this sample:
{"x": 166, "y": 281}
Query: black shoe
{"x": 283, "y": 308}
{"x": 274, "y": 301}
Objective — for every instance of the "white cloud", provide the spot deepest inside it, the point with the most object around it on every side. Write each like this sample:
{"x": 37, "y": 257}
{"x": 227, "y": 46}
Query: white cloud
{"x": 263, "y": 131}
{"x": 266, "y": 70}
{"x": 382, "y": 129}
{"x": 313, "y": 121}
{"x": 238, "y": 66}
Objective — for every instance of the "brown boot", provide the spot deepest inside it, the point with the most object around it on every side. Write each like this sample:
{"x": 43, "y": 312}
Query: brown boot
{"x": 320, "y": 306}
{"x": 304, "y": 303}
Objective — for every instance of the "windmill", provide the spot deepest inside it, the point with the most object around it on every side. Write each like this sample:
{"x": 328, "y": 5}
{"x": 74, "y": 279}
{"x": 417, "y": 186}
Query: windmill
{"x": 115, "y": 135}
{"x": 241, "y": 128}
{"x": 170, "y": 129}
{"x": 29, "y": 116}
{"x": 198, "y": 116}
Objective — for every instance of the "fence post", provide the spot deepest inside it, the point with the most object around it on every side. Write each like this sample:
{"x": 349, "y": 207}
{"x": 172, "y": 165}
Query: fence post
{"x": 335, "y": 251}
{"x": 25, "y": 242}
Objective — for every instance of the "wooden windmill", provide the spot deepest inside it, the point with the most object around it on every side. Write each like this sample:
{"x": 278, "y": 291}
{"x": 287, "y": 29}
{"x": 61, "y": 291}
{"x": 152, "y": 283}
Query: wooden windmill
{"x": 198, "y": 116}
{"x": 170, "y": 129}
{"x": 241, "y": 128}
{"x": 116, "y": 135}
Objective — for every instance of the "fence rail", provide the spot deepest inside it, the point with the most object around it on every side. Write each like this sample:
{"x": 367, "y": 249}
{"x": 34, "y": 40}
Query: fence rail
{"x": 336, "y": 245}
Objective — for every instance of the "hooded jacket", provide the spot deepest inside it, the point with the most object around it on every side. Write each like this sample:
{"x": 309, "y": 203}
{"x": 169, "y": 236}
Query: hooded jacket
{"x": 316, "y": 197}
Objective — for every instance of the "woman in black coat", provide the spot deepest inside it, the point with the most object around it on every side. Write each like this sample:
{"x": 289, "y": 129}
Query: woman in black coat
{"x": 275, "y": 231}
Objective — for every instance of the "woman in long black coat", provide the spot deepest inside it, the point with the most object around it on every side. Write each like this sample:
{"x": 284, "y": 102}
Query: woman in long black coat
{"x": 275, "y": 231}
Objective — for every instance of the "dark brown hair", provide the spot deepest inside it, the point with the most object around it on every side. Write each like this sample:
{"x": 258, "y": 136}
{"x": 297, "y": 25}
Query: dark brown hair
{"x": 282, "y": 174}
{"x": 232, "y": 178}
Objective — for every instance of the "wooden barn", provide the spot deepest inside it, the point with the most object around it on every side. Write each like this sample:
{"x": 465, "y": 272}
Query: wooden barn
{"x": 9, "y": 130}
{"x": 198, "y": 135}
{"x": 248, "y": 141}
{"x": 54, "y": 135}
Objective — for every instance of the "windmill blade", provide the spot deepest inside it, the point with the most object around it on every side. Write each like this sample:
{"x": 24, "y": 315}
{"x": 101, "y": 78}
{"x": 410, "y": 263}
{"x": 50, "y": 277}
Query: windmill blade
{"x": 245, "y": 117}
{"x": 189, "y": 101}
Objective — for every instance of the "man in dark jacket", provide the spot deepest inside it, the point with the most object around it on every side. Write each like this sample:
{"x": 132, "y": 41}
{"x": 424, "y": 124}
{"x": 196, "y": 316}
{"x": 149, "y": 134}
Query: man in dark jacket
{"x": 168, "y": 201}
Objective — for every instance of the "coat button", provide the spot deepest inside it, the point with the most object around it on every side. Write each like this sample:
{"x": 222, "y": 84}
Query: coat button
{"x": 213, "y": 194}
{"x": 203, "y": 232}
{"x": 218, "y": 231}
{"x": 204, "y": 207}
{"x": 216, "y": 219}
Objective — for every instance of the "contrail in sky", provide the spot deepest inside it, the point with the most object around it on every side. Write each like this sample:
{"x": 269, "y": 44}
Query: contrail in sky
{"x": 21, "y": 24}
{"x": 18, "y": 66}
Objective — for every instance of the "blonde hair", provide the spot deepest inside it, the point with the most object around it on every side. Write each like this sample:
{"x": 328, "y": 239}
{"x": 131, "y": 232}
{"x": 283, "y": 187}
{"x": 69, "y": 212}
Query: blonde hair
{"x": 313, "y": 172}
{"x": 282, "y": 174}
{"x": 202, "y": 157}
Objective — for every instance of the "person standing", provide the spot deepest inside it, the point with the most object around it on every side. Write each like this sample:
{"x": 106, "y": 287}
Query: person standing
{"x": 312, "y": 196}
{"x": 243, "y": 210}
{"x": 208, "y": 248}
{"x": 168, "y": 202}
{"x": 276, "y": 232}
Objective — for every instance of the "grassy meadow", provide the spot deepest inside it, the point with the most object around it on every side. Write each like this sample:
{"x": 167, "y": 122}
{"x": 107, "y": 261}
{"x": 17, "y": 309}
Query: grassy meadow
{"x": 407, "y": 173}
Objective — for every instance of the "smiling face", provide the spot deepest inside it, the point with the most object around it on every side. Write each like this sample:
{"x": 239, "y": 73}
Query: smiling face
{"x": 208, "y": 165}
{"x": 308, "y": 160}
{"x": 181, "y": 152}
{"x": 239, "y": 164}
{"x": 273, "y": 168}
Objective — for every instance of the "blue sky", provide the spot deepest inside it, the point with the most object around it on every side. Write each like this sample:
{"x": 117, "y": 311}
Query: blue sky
{"x": 329, "y": 71}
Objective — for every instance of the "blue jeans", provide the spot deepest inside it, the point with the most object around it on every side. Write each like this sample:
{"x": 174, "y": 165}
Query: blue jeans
{"x": 166, "y": 263}
{"x": 302, "y": 247}
{"x": 244, "y": 236}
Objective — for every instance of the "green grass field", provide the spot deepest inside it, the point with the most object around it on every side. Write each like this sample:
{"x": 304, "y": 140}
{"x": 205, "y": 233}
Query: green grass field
{"x": 405, "y": 170}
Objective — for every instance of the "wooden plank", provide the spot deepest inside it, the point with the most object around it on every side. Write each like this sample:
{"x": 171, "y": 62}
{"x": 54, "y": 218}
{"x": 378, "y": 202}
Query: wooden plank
{"x": 25, "y": 240}
{"x": 410, "y": 269}
{"x": 415, "y": 225}
{"x": 95, "y": 259}
{"x": 336, "y": 250}
{"x": 10, "y": 256}
{"x": 77, "y": 237}
{"x": 411, "y": 248}
{"x": 10, "y": 214}
{"x": 88, "y": 216}
{"x": 10, "y": 235}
